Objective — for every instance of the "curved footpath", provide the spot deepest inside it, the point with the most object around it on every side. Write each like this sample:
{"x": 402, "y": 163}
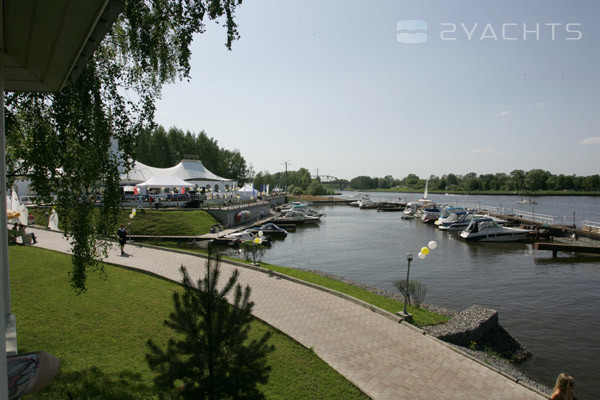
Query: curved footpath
{"x": 384, "y": 358}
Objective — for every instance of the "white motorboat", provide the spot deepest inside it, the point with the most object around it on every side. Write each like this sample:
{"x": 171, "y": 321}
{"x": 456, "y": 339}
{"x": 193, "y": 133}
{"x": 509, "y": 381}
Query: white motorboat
{"x": 364, "y": 200}
{"x": 456, "y": 221}
{"x": 487, "y": 230}
{"x": 296, "y": 217}
{"x": 526, "y": 201}
{"x": 430, "y": 213}
{"x": 244, "y": 236}
{"x": 412, "y": 208}
{"x": 448, "y": 212}
{"x": 301, "y": 207}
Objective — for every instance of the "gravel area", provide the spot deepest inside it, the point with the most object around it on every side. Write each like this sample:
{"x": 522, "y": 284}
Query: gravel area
{"x": 499, "y": 363}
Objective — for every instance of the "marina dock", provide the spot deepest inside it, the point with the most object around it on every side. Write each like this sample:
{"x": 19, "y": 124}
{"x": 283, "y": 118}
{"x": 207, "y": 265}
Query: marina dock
{"x": 570, "y": 248}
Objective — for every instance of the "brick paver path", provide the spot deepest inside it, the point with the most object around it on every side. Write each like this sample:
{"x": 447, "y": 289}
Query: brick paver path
{"x": 385, "y": 359}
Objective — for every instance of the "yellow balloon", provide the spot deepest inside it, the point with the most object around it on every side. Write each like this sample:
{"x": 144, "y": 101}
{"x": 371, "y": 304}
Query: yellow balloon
{"x": 424, "y": 250}
{"x": 257, "y": 241}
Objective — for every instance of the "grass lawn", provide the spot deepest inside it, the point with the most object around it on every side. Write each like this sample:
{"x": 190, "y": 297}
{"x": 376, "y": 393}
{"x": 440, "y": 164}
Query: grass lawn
{"x": 168, "y": 223}
{"x": 155, "y": 222}
{"x": 100, "y": 336}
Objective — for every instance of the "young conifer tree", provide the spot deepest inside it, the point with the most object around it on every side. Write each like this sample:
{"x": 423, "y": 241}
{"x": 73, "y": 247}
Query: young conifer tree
{"x": 211, "y": 356}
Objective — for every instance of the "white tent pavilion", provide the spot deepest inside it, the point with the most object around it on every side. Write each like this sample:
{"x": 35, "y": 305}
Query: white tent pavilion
{"x": 191, "y": 171}
{"x": 247, "y": 191}
{"x": 164, "y": 182}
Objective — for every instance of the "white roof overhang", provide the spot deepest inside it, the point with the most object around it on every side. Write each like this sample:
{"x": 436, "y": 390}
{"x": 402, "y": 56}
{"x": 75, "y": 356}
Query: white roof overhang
{"x": 47, "y": 43}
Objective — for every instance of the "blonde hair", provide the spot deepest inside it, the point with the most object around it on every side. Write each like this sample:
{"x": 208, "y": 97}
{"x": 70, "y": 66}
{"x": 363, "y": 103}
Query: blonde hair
{"x": 564, "y": 382}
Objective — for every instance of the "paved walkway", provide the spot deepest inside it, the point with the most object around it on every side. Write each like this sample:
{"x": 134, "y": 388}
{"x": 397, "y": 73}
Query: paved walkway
{"x": 385, "y": 359}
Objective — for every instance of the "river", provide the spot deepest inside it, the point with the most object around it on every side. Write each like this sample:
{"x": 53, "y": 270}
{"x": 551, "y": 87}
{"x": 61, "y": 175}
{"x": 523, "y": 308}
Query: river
{"x": 551, "y": 306}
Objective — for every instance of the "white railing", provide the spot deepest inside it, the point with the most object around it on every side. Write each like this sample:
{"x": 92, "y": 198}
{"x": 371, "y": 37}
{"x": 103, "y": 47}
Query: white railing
{"x": 489, "y": 209}
{"x": 591, "y": 225}
{"x": 528, "y": 215}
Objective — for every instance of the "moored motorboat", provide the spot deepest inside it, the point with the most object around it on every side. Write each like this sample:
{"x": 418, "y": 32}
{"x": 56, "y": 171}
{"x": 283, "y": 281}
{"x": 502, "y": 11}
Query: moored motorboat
{"x": 430, "y": 213}
{"x": 296, "y": 217}
{"x": 235, "y": 239}
{"x": 456, "y": 221}
{"x": 487, "y": 230}
{"x": 412, "y": 208}
{"x": 269, "y": 229}
{"x": 447, "y": 212}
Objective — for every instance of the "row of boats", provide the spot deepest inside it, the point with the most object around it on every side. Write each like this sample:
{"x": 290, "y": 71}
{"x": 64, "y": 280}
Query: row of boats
{"x": 287, "y": 218}
{"x": 472, "y": 226}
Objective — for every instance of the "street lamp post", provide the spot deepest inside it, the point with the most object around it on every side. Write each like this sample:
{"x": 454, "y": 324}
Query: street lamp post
{"x": 409, "y": 258}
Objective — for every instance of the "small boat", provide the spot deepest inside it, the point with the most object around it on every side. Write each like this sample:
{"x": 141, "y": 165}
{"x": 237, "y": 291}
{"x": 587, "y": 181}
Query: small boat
{"x": 487, "y": 230}
{"x": 448, "y": 212}
{"x": 363, "y": 201}
{"x": 235, "y": 239}
{"x": 412, "y": 208}
{"x": 269, "y": 229}
{"x": 302, "y": 207}
{"x": 526, "y": 201}
{"x": 296, "y": 217}
{"x": 430, "y": 213}
{"x": 456, "y": 221}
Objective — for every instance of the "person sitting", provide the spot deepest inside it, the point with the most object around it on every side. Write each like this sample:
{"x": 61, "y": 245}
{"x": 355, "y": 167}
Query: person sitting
{"x": 30, "y": 372}
{"x": 31, "y": 235}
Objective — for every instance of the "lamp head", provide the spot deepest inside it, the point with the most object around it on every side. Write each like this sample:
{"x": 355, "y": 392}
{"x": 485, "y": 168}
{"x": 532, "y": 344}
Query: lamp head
{"x": 409, "y": 256}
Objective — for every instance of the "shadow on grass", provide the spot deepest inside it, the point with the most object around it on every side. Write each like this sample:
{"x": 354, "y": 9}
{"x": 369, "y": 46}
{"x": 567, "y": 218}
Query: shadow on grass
{"x": 93, "y": 383}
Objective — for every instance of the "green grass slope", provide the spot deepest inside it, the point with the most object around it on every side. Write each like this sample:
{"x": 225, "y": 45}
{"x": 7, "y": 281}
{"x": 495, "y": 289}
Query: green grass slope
{"x": 100, "y": 336}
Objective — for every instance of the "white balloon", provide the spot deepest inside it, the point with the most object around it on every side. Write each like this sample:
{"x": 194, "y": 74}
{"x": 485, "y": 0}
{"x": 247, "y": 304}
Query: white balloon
{"x": 432, "y": 245}
{"x": 260, "y": 233}
{"x": 131, "y": 216}
{"x": 421, "y": 256}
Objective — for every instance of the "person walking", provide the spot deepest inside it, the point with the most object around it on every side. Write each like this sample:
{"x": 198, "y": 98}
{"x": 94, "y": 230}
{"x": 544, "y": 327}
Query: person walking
{"x": 122, "y": 234}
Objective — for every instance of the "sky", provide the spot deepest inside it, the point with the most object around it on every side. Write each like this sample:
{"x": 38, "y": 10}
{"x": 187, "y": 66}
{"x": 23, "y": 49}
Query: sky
{"x": 347, "y": 88}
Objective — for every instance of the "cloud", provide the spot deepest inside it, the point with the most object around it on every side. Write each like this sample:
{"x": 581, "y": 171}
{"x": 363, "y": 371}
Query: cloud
{"x": 592, "y": 140}
{"x": 503, "y": 113}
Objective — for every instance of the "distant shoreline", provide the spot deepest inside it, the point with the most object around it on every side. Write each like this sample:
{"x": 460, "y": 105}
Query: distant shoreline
{"x": 486, "y": 193}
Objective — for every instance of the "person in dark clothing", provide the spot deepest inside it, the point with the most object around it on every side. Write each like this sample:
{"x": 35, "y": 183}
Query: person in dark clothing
{"x": 122, "y": 234}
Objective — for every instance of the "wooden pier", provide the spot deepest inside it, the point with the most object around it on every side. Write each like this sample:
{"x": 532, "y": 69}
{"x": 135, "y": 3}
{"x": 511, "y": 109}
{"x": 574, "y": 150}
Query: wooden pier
{"x": 555, "y": 230}
{"x": 570, "y": 248}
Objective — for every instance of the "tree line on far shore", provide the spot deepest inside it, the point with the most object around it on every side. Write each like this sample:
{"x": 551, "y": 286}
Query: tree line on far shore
{"x": 517, "y": 181}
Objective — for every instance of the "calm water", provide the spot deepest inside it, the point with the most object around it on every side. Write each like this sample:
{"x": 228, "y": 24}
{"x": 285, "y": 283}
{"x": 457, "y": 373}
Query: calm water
{"x": 550, "y": 306}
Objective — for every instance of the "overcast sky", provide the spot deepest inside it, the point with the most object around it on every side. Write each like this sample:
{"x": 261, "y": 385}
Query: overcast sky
{"x": 492, "y": 86}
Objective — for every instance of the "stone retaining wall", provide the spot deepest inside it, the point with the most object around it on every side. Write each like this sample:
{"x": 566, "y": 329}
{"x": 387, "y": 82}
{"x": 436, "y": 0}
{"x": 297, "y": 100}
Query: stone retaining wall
{"x": 467, "y": 326}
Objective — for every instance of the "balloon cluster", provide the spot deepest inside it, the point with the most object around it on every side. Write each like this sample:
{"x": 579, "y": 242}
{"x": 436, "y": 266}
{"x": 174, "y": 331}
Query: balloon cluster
{"x": 132, "y": 214}
{"x": 259, "y": 239}
{"x": 425, "y": 250}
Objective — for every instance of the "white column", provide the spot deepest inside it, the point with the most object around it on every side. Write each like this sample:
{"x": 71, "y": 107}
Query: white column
{"x": 4, "y": 271}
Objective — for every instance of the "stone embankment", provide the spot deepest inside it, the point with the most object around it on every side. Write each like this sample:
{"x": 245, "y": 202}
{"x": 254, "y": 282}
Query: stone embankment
{"x": 466, "y": 327}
